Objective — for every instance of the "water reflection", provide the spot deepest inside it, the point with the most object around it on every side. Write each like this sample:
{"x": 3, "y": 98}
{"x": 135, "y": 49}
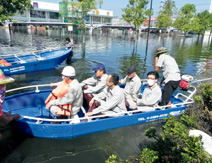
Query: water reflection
{"x": 117, "y": 50}
{"x": 95, "y": 148}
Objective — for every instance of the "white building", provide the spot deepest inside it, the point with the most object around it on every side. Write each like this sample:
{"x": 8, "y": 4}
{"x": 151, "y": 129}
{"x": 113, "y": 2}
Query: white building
{"x": 50, "y": 12}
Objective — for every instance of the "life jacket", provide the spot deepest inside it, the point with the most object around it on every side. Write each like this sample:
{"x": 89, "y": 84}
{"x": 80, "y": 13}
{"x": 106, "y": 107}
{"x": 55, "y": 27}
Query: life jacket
{"x": 5, "y": 63}
{"x": 60, "y": 91}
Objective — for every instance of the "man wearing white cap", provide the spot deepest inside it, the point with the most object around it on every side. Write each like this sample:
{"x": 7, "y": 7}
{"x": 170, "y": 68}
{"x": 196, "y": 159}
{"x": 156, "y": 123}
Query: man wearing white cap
{"x": 70, "y": 94}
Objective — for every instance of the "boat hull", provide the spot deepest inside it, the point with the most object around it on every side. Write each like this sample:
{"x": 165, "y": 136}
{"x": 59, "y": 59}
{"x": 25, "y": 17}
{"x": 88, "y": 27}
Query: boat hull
{"x": 50, "y": 60}
{"x": 32, "y": 104}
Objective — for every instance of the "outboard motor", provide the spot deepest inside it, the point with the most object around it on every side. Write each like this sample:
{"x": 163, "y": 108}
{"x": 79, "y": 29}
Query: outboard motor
{"x": 185, "y": 80}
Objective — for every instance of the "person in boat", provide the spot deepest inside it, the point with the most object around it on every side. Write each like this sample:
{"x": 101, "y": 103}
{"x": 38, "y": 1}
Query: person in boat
{"x": 68, "y": 43}
{"x": 111, "y": 99}
{"x": 95, "y": 84}
{"x": 66, "y": 99}
{"x": 171, "y": 74}
{"x": 151, "y": 95}
{"x": 6, "y": 118}
{"x": 132, "y": 87}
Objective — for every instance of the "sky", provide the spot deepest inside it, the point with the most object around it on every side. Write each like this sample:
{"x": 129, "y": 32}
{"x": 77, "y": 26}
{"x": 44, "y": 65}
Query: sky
{"x": 117, "y": 5}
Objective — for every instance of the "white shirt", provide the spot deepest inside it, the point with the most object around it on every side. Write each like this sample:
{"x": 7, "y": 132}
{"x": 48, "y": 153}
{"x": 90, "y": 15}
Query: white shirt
{"x": 170, "y": 68}
{"x": 110, "y": 100}
{"x": 150, "y": 96}
{"x": 132, "y": 87}
{"x": 95, "y": 84}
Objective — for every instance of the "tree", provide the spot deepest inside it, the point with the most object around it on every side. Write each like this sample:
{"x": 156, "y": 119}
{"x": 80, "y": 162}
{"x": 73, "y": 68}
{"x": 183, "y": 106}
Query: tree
{"x": 8, "y": 8}
{"x": 100, "y": 3}
{"x": 201, "y": 22}
{"x": 135, "y": 13}
{"x": 83, "y": 7}
{"x": 165, "y": 15}
{"x": 184, "y": 18}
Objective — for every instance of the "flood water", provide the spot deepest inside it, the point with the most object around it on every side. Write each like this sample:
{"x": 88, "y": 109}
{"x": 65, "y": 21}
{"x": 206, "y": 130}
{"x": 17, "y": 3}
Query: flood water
{"x": 117, "y": 51}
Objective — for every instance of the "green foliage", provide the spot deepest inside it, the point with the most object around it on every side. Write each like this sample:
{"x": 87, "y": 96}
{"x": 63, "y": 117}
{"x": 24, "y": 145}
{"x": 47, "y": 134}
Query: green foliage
{"x": 201, "y": 22}
{"x": 8, "y": 8}
{"x": 113, "y": 159}
{"x": 184, "y": 18}
{"x": 148, "y": 156}
{"x": 83, "y": 7}
{"x": 205, "y": 96}
{"x": 174, "y": 144}
{"x": 165, "y": 16}
{"x": 135, "y": 13}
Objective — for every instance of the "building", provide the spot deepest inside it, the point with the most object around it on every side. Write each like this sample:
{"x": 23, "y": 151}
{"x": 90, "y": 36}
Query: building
{"x": 53, "y": 13}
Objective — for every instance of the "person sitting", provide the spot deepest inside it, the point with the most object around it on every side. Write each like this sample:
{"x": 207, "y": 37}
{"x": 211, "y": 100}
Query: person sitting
{"x": 151, "y": 95}
{"x": 132, "y": 87}
{"x": 67, "y": 98}
{"x": 171, "y": 74}
{"x": 112, "y": 99}
{"x": 6, "y": 118}
{"x": 94, "y": 84}
{"x": 68, "y": 43}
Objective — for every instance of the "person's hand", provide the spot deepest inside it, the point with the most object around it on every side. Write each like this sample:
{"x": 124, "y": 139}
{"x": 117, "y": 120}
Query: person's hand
{"x": 91, "y": 102}
{"x": 51, "y": 103}
{"x": 134, "y": 99}
{"x": 88, "y": 114}
{"x": 51, "y": 84}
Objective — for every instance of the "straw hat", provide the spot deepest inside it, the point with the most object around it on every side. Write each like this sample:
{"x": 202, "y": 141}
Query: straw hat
{"x": 5, "y": 79}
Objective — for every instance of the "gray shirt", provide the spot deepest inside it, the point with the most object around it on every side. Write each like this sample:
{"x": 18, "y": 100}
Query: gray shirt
{"x": 95, "y": 84}
{"x": 110, "y": 100}
{"x": 170, "y": 68}
{"x": 74, "y": 97}
{"x": 132, "y": 87}
{"x": 150, "y": 96}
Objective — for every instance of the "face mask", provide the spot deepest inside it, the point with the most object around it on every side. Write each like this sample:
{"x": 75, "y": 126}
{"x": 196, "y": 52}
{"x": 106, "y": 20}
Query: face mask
{"x": 150, "y": 82}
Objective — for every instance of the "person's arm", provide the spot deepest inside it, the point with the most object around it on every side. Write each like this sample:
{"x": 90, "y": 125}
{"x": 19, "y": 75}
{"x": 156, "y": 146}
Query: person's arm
{"x": 54, "y": 84}
{"x": 101, "y": 96}
{"x": 69, "y": 44}
{"x": 94, "y": 89}
{"x": 90, "y": 81}
{"x": 156, "y": 67}
{"x": 107, "y": 105}
{"x": 67, "y": 99}
{"x": 123, "y": 81}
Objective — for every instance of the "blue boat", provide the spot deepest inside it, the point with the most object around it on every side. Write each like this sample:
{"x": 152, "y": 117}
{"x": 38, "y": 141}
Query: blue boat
{"x": 36, "y": 120}
{"x": 35, "y": 61}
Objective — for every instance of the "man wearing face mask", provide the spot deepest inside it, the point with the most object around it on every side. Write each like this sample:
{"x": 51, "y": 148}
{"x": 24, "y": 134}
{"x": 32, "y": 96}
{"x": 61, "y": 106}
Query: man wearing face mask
{"x": 132, "y": 87}
{"x": 151, "y": 95}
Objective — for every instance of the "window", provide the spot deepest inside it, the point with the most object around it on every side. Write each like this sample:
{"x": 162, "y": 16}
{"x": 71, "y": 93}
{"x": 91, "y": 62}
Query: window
{"x": 37, "y": 14}
{"x": 53, "y": 15}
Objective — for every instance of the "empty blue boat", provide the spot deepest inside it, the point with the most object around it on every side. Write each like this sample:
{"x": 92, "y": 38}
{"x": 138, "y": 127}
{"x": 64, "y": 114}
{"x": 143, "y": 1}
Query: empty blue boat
{"x": 35, "y": 61}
